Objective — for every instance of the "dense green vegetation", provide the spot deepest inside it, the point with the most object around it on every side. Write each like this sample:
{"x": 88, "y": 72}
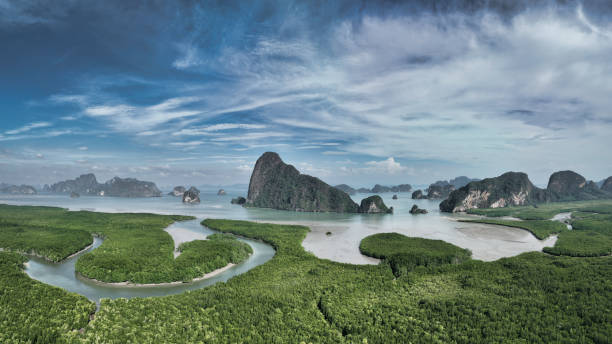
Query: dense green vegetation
{"x": 33, "y": 312}
{"x": 54, "y": 244}
{"x": 404, "y": 253}
{"x": 296, "y": 297}
{"x": 591, "y": 235}
{"x": 136, "y": 248}
{"x": 546, "y": 211}
{"x": 199, "y": 257}
{"x": 541, "y": 229}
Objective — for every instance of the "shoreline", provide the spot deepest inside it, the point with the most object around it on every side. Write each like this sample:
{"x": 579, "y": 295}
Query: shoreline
{"x": 163, "y": 284}
{"x": 33, "y": 254}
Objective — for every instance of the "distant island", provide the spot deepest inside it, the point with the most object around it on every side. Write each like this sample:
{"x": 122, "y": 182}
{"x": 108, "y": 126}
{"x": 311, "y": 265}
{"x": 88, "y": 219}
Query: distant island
{"x": 277, "y": 185}
{"x": 376, "y": 189}
{"x": 87, "y": 184}
{"x": 17, "y": 189}
{"x": 515, "y": 189}
{"x": 442, "y": 188}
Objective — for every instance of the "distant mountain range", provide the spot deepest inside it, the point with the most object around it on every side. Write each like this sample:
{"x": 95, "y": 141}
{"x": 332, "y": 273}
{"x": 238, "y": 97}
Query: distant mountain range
{"x": 376, "y": 189}
{"x": 87, "y": 184}
{"x": 442, "y": 188}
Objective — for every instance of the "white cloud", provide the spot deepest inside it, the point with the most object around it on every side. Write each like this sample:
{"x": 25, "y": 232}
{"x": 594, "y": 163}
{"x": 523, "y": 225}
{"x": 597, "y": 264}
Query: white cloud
{"x": 388, "y": 166}
{"x": 202, "y": 131}
{"x": 27, "y": 128}
{"x": 251, "y": 136}
{"x": 83, "y": 148}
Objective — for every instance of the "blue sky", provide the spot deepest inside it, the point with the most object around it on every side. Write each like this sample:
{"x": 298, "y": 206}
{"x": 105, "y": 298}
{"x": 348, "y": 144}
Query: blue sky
{"x": 357, "y": 92}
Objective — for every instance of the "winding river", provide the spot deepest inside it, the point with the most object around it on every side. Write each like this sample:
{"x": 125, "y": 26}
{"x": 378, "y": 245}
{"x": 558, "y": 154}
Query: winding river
{"x": 63, "y": 274}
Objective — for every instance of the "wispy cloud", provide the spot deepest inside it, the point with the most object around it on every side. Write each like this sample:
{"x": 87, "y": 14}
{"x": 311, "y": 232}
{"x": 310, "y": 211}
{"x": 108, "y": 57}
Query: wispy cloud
{"x": 27, "y": 128}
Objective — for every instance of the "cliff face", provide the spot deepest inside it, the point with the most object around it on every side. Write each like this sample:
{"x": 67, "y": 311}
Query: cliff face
{"x": 509, "y": 189}
{"x": 514, "y": 189}
{"x": 570, "y": 186}
{"x": 277, "y": 185}
{"x": 87, "y": 184}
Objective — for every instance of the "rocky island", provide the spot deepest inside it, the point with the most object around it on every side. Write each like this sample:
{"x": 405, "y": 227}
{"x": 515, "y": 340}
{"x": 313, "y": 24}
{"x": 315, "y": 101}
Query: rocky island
{"x": 374, "y": 205}
{"x": 87, "y": 184}
{"x": 178, "y": 191}
{"x": 515, "y": 189}
{"x": 442, "y": 188}
{"x": 192, "y": 195}
{"x": 277, "y": 185}
{"x": 17, "y": 189}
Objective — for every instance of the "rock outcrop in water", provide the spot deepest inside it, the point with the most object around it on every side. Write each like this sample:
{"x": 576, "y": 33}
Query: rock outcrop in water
{"x": 374, "y": 205}
{"x": 418, "y": 194}
{"x": 415, "y": 210}
{"x": 18, "y": 189}
{"x": 239, "y": 200}
{"x": 192, "y": 195}
{"x": 394, "y": 197}
{"x": 87, "y": 184}
{"x": 221, "y": 192}
{"x": 277, "y": 185}
{"x": 439, "y": 190}
{"x": 511, "y": 188}
{"x": 130, "y": 187}
{"x": 349, "y": 190}
{"x": 178, "y": 191}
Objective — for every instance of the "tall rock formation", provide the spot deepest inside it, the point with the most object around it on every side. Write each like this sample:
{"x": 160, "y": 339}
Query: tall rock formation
{"x": 514, "y": 188}
{"x": 511, "y": 188}
{"x": 277, "y": 185}
{"x": 570, "y": 186}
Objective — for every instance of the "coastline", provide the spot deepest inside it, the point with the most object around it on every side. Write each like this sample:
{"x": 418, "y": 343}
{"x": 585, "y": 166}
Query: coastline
{"x": 164, "y": 284}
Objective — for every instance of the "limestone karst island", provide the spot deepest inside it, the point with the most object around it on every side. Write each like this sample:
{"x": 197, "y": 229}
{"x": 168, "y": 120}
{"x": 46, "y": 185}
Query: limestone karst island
{"x": 343, "y": 171}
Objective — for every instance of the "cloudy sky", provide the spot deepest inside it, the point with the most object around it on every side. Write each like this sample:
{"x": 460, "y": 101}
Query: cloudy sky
{"x": 349, "y": 91}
